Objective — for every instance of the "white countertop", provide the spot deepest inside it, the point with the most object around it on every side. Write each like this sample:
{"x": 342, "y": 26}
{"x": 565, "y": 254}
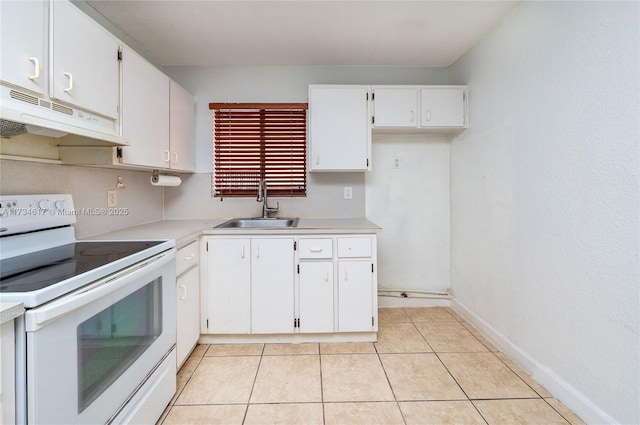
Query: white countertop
{"x": 9, "y": 311}
{"x": 183, "y": 231}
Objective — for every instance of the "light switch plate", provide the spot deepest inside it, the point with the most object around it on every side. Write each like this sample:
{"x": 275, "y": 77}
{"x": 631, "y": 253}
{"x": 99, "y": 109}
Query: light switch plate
{"x": 112, "y": 198}
{"x": 348, "y": 192}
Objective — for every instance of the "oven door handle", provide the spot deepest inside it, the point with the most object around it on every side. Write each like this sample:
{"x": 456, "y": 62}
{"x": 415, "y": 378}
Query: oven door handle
{"x": 39, "y": 317}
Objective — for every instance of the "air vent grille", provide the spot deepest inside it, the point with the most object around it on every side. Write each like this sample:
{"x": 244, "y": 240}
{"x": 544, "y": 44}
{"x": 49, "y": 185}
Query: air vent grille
{"x": 60, "y": 108}
{"x": 23, "y": 97}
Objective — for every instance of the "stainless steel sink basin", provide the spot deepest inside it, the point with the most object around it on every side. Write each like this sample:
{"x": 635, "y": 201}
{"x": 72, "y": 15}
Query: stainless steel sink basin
{"x": 259, "y": 223}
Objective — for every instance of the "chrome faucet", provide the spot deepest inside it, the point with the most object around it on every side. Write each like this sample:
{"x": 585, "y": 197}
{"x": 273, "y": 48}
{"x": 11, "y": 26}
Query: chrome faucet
{"x": 262, "y": 197}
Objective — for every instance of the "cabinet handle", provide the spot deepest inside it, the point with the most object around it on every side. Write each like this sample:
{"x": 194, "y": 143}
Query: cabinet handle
{"x": 184, "y": 292}
{"x": 242, "y": 252}
{"x": 258, "y": 251}
{"x": 70, "y": 77}
{"x": 167, "y": 155}
{"x": 428, "y": 115}
{"x": 317, "y": 159}
{"x": 174, "y": 155}
{"x": 346, "y": 274}
{"x": 189, "y": 257}
{"x": 326, "y": 274}
{"x": 36, "y": 64}
{"x": 411, "y": 116}
{"x": 315, "y": 249}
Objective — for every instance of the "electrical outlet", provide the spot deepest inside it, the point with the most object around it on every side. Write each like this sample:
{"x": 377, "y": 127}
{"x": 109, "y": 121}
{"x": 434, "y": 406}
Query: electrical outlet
{"x": 348, "y": 192}
{"x": 396, "y": 162}
{"x": 112, "y": 198}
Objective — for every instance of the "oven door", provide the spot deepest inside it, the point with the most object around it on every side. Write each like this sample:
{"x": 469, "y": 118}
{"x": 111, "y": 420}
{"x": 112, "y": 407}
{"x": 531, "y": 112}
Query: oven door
{"x": 89, "y": 351}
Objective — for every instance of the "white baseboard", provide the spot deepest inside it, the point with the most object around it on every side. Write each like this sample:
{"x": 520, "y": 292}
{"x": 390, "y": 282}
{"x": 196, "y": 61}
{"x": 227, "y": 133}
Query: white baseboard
{"x": 588, "y": 411}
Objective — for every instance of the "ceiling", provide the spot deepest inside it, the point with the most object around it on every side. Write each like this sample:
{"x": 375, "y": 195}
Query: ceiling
{"x": 304, "y": 32}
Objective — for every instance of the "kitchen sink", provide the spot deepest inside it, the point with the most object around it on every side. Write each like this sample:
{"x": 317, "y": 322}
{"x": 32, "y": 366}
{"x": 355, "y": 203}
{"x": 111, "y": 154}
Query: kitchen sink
{"x": 259, "y": 223}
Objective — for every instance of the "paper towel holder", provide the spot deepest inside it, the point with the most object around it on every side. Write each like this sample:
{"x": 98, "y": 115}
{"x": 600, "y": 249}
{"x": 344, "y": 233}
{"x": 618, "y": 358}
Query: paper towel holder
{"x": 156, "y": 177}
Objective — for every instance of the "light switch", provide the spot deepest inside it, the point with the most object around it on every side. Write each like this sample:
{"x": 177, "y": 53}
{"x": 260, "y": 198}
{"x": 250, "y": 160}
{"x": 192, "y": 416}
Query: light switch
{"x": 348, "y": 192}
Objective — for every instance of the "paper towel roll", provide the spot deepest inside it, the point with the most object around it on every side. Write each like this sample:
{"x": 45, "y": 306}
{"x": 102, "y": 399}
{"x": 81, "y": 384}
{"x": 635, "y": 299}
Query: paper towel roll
{"x": 165, "y": 180}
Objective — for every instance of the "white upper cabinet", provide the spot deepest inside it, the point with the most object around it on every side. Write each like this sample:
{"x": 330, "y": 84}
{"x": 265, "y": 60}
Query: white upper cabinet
{"x": 157, "y": 117}
{"x": 85, "y": 68}
{"x": 395, "y": 107}
{"x": 145, "y": 112}
{"x": 23, "y": 57}
{"x": 442, "y": 107}
{"x": 339, "y": 128}
{"x": 422, "y": 108}
{"x": 181, "y": 128}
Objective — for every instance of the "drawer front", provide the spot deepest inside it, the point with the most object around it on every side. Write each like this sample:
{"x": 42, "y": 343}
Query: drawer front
{"x": 186, "y": 257}
{"x": 315, "y": 248}
{"x": 354, "y": 247}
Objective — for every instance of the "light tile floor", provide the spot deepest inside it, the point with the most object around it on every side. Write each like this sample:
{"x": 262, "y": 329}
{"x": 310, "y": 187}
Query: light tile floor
{"x": 428, "y": 367}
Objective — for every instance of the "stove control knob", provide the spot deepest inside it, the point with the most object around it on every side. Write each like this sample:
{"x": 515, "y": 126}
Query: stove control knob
{"x": 43, "y": 204}
{"x": 59, "y": 204}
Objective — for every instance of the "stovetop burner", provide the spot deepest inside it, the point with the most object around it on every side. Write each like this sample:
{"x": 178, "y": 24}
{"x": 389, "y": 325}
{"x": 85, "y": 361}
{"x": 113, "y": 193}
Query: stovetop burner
{"x": 34, "y": 271}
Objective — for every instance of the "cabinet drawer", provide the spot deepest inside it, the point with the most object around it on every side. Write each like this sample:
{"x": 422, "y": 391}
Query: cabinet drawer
{"x": 354, "y": 247}
{"x": 186, "y": 257}
{"x": 316, "y": 248}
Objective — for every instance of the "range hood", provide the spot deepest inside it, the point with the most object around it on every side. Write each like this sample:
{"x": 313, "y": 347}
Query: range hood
{"x": 10, "y": 129}
{"x": 22, "y": 112}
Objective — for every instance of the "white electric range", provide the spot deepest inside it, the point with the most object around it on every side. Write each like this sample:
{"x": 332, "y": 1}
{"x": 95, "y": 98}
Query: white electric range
{"x": 97, "y": 341}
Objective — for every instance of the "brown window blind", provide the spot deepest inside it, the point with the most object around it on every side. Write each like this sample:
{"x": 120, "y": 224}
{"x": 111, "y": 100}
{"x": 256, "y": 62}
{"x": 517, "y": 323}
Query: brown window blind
{"x": 259, "y": 141}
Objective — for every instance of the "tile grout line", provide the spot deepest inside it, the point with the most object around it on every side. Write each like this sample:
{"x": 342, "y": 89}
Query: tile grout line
{"x": 324, "y": 420}
{"x": 178, "y": 393}
{"x": 395, "y": 398}
{"x": 451, "y": 375}
{"x": 556, "y": 410}
{"x": 255, "y": 378}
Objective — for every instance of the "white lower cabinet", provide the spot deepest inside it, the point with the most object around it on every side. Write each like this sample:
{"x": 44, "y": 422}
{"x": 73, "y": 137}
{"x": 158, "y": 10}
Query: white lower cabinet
{"x": 188, "y": 301}
{"x": 228, "y": 280}
{"x": 304, "y": 285}
{"x": 316, "y": 297}
{"x": 272, "y": 281}
{"x": 188, "y": 312}
{"x": 355, "y": 296}
{"x": 250, "y": 285}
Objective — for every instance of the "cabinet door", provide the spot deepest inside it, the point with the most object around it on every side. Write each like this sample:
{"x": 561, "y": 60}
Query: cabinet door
{"x": 395, "y": 107}
{"x": 355, "y": 296}
{"x": 145, "y": 112}
{"x": 181, "y": 127}
{"x": 272, "y": 290}
{"x": 229, "y": 286}
{"x": 188, "y": 314}
{"x": 442, "y": 107}
{"x": 22, "y": 61}
{"x": 316, "y": 297}
{"x": 339, "y": 128}
{"x": 85, "y": 69}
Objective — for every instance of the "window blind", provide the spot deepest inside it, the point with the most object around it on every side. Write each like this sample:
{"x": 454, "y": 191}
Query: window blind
{"x": 259, "y": 141}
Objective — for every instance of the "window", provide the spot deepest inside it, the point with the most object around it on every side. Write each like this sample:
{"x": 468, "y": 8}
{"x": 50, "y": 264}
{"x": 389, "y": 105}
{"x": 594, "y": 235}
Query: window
{"x": 259, "y": 141}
